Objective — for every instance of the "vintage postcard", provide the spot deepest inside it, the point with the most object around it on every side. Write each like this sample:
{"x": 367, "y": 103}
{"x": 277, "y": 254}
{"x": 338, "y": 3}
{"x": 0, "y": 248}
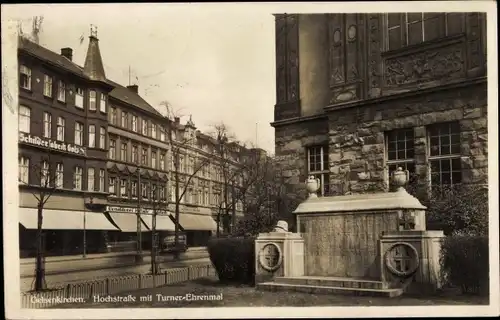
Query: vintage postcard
{"x": 239, "y": 160}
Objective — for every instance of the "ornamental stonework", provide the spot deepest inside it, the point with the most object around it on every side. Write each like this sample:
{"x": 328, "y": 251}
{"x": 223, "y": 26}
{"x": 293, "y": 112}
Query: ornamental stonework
{"x": 438, "y": 64}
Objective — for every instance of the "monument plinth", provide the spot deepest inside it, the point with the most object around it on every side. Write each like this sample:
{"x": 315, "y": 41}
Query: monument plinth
{"x": 279, "y": 253}
{"x": 368, "y": 243}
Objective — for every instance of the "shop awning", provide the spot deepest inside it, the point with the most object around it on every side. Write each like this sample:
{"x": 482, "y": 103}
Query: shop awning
{"x": 162, "y": 222}
{"x": 127, "y": 222}
{"x": 65, "y": 220}
{"x": 195, "y": 222}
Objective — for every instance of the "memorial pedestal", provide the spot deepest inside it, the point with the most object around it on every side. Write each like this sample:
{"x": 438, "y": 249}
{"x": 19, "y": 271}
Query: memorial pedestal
{"x": 412, "y": 258}
{"x": 278, "y": 254}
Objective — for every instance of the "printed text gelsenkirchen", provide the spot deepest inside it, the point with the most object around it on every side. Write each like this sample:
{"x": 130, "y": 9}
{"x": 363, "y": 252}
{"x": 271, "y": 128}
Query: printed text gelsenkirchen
{"x": 35, "y": 299}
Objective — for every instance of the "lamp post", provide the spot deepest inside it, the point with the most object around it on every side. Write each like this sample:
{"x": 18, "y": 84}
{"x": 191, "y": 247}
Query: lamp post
{"x": 85, "y": 225}
{"x": 138, "y": 256}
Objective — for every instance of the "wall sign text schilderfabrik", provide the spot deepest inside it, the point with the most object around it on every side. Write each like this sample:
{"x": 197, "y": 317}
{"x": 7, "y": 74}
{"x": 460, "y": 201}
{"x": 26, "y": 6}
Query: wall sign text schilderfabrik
{"x": 51, "y": 144}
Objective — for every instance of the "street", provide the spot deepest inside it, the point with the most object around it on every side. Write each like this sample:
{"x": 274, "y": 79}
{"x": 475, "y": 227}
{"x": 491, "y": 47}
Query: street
{"x": 86, "y": 275}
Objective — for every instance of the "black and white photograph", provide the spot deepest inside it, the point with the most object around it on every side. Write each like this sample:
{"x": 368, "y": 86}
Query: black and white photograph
{"x": 245, "y": 160}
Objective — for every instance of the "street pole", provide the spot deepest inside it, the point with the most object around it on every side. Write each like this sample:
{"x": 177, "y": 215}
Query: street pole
{"x": 138, "y": 256}
{"x": 154, "y": 269}
{"x": 84, "y": 228}
{"x": 91, "y": 202}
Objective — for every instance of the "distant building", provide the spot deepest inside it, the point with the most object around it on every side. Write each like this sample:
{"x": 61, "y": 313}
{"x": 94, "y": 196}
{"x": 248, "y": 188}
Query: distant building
{"x": 108, "y": 156}
{"x": 359, "y": 95}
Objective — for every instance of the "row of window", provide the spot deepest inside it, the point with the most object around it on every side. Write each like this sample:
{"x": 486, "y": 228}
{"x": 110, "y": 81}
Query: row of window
{"x": 202, "y": 197}
{"x": 156, "y": 163}
{"x": 405, "y": 29}
{"x": 187, "y": 164}
{"x": 54, "y": 177}
{"x": 128, "y": 189}
{"x": 150, "y": 129}
{"x": 443, "y": 155}
{"x": 25, "y": 125}
{"x": 25, "y": 82}
{"x": 147, "y": 128}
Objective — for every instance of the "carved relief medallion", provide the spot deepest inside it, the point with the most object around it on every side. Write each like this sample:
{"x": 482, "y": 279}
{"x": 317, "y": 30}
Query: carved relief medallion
{"x": 402, "y": 259}
{"x": 270, "y": 257}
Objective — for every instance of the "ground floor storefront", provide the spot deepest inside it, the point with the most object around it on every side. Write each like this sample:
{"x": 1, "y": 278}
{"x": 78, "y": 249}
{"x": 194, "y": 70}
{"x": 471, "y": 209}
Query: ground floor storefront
{"x": 116, "y": 229}
{"x": 198, "y": 225}
{"x": 64, "y": 232}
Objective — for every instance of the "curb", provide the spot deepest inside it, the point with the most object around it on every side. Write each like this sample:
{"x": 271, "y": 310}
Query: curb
{"x": 53, "y": 273}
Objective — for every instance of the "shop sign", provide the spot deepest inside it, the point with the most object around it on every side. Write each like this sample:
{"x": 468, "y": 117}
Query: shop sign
{"x": 51, "y": 144}
{"x": 134, "y": 210}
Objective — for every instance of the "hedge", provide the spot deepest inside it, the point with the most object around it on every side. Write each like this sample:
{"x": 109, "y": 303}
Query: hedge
{"x": 233, "y": 259}
{"x": 465, "y": 263}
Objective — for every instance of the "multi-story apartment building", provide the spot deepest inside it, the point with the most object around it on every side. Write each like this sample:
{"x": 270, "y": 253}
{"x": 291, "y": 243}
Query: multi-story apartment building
{"x": 99, "y": 154}
{"x": 62, "y": 160}
{"x": 208, "y": 170}
{"x": 361, "y": 94}
{"x": 137, "y": 165}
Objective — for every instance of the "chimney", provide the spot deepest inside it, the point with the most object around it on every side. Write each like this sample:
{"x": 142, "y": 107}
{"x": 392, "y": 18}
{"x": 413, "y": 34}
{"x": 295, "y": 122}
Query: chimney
{"x": 68, "y": 53}
{"x": 134, "y": 88}
{"x": 177, "y": 120}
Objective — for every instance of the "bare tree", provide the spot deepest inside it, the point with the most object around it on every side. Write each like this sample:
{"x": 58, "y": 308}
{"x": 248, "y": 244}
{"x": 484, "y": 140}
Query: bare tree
{"x": 46, "y": 173}
{"x": 230, "y": 171}
{"x": 181, "y": 146}
{"x": 266, "y": 199}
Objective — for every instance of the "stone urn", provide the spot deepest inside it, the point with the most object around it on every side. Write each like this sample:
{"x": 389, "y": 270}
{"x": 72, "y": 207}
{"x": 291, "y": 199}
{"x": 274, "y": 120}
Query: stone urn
{"x": 400, "y": 178}
{"x": 312, "y": 186}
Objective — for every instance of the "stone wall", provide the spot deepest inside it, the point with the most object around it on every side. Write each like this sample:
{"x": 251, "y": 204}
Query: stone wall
{"x": 360, "y": 167}
{"x": 291, "y": 141}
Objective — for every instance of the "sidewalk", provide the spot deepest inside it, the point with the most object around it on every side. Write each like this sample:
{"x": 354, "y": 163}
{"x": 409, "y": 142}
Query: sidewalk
{"x": 68, "y": 264}
{"x": 98, "y": 255}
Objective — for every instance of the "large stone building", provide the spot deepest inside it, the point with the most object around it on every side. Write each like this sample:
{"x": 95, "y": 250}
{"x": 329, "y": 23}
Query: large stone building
{"x": 361, "y": 94}
{"x": 99, "y": 154}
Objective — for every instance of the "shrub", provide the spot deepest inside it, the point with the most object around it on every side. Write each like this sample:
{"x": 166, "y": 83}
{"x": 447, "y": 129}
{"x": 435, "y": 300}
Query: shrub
{"x": 465, "y": 263}
{"x": 233, "y": 259}
{"x": 256, "y": 222}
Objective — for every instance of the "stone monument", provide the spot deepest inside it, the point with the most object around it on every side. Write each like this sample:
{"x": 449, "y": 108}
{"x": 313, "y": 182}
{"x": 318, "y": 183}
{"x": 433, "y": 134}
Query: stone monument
{"x": 368, "y": 243}
{"x": 279, "y": 253}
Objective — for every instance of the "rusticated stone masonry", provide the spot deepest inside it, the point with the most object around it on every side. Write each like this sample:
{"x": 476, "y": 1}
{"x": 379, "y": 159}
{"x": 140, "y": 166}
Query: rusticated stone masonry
{"x": 356, "y": 139}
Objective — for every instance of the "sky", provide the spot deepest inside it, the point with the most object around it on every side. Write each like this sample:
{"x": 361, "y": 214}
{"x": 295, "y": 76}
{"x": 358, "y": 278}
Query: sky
{"x": 215, "y": 66}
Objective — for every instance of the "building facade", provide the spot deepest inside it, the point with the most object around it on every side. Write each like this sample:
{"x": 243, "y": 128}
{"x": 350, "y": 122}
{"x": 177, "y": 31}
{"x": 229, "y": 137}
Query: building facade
{"x": 96, "y": 154}
{"x": 206, "y": 170}
{"x": 62, "y": 165}
{"x": 359, "y": 95}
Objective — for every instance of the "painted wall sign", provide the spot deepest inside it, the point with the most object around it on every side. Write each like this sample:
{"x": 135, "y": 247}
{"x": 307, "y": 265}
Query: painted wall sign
{"x": 51, "y": 144}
